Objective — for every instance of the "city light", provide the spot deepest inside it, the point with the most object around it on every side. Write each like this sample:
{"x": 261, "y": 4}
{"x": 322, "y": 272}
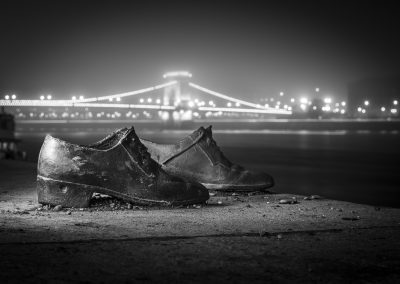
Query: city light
{"x": 303, "y": 100}
{"x": 393, "y": 110}
{"x": 158, "y": 101}
{"x": 191, "y": 104}
{"x": 229, "y": 104}
{"x": 342, "y": 111}
{"x": 363, "y": 110}
{"x": 49, "y": 97}
{"x": 281, "y": 94}
{"x": 303, "y": 107}
{"x": 41, "y": 97}
{"x": 359, "y": 109}
{"x": 7, "y": 97}
{"x": 237, "y": 104}
{"x": 395, "y": 102}
{"x": 317, "y": 89}
{"x": 13, "y": 96}
{"x": 73, "y": 98}
{"x": 343, "y": 103}
{"x": 141, "y": 100}
{"x": 118, "y": 99}
{"x": 211, "y": 103}
{"x": 328, "y": 100}
{"x": 366, "y": 103}
{"x": 383, "y": 109}
{"x": 81, "y": 97}
{"x": 110, "y": 99}
{"x": 149, "y": 100}
{"x": 292, "y": 100}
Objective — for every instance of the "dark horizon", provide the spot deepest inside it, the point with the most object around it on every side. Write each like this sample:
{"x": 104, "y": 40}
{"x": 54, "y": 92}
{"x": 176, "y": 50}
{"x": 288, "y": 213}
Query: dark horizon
{"x": 245, "y": 49}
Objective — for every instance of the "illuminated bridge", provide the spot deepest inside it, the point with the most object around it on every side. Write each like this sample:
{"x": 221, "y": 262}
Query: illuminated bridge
{"x": 178, "y": 99}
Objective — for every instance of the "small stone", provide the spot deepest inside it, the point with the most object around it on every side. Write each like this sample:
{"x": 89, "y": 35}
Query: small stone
{"x": 57, "y": 208}
{"x": 279, "y": 236}
{"x": 219, "y": 202}
{"x": 69, "y": 212}
{"x": 196, "y": 206}
{"x": 235, "y": 194}
{"x": 129, "y": 206}
{"x": 248, "y": 206}
{"x": 315, "y": 197}
{"x": 112, "y": 205}
{"x": 268, "y": 202}
{"x": 287, "y": 201}
{"x": 307, "y": 198}
{"x": 212, "y": 193}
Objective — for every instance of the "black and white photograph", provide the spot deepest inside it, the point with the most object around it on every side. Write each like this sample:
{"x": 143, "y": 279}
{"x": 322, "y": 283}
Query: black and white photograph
{"x": 199, "y": 141}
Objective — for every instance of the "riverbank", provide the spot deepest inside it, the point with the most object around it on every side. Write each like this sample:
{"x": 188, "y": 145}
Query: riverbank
{"x": 231, "y": 239}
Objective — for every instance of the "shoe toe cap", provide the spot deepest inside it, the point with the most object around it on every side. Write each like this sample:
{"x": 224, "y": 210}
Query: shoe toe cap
{"x": 258, "y": 180}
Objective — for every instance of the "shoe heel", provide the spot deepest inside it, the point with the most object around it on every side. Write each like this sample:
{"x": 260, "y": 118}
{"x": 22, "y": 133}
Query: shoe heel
{"x": 66, "y": 194}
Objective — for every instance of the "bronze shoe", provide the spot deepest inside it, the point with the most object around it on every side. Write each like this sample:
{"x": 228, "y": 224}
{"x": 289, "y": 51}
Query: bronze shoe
{"x": 118, "y": 166}
{"x": 198, "y": 158}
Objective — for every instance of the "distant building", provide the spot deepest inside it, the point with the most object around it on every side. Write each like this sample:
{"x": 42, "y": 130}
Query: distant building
{"x": 374, "y": 97}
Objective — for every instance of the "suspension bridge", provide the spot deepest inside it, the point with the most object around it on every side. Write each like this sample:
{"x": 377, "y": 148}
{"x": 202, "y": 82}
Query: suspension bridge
{"x": 179, "y": 95}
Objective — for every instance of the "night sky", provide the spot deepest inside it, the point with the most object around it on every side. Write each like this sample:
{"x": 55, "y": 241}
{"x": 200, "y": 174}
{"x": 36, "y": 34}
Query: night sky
{"x": 247, "y": 49}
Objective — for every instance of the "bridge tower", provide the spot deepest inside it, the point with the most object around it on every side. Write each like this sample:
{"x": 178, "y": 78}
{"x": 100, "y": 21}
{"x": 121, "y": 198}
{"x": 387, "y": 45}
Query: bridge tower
{"x": 179, "y": 93}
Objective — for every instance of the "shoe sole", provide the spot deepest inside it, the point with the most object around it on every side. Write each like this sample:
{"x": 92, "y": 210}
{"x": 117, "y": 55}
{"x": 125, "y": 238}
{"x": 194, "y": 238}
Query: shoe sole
{"x": 234, "y": 187}
{"x": 78, "y": 195}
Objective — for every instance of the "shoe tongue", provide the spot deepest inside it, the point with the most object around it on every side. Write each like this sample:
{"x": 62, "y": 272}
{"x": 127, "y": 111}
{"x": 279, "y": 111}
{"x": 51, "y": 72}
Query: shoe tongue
{"x": 131, "y": 135}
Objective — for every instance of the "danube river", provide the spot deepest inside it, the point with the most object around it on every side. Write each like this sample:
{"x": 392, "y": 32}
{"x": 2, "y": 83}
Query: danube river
{"x": 357, "y": 166}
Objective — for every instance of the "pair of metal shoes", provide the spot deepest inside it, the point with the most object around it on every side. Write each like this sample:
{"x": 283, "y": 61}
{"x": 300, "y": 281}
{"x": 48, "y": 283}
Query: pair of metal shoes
{"x": 140, "y": 171}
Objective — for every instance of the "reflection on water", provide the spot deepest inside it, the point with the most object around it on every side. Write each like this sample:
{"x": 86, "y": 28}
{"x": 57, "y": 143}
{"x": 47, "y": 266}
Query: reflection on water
{"x": 348, "y": 165}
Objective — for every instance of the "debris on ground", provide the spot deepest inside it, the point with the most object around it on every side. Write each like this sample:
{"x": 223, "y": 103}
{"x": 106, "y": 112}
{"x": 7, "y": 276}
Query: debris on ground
{"x": 312, "y": 197}
{"x": 57, "y": 208}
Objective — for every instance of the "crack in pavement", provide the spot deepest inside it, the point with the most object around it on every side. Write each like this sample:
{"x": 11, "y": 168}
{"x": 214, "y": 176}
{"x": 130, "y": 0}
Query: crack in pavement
{"x": 231, "y": 235}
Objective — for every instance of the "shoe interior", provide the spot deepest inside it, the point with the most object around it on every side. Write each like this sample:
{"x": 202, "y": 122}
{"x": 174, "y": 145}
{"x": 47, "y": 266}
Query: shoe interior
{"x": 110, "y": 141}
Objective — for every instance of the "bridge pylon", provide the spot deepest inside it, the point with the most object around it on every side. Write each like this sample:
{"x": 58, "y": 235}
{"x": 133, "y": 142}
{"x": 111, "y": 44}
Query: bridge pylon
{"x": 177, "y": 93}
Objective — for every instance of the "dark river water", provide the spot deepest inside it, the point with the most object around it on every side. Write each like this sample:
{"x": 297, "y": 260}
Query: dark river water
{"x": 356, "y": 166}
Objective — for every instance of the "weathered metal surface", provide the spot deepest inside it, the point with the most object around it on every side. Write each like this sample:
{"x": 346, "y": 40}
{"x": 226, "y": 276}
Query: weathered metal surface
{"x": 198, "y": 158}
{"x": 118, "y": 165}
